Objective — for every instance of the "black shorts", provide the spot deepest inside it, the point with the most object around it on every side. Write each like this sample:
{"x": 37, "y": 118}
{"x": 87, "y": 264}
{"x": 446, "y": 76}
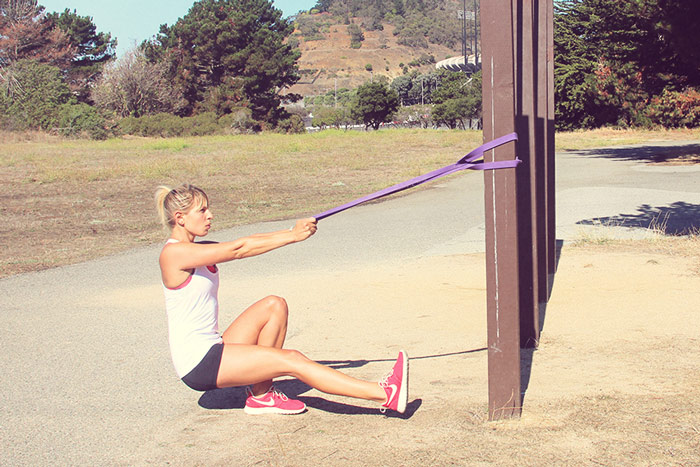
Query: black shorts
{"x": 203, "y": 376}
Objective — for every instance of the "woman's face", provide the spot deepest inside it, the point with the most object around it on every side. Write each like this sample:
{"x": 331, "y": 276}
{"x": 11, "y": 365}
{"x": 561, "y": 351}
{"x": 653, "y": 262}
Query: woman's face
{"x": 198, "y": 219}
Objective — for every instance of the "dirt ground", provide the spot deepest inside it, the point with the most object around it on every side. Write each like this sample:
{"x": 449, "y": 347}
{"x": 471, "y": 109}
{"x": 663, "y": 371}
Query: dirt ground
{"x": 613, "y": 382}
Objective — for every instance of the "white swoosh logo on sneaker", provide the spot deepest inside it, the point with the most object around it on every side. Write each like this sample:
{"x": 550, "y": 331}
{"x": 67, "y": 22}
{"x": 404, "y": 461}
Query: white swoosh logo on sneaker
{"x": 394, "y": 388}
{"x": 268, "y": 403}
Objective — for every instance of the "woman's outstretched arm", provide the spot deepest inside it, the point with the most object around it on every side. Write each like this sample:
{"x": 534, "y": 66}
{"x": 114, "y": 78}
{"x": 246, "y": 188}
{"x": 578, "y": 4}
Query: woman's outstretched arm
{"x": 185, "y": 255}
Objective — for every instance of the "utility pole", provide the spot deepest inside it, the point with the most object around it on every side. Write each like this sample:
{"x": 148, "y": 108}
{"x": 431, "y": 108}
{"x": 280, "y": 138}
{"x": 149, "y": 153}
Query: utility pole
{"x": 464, "y": 34}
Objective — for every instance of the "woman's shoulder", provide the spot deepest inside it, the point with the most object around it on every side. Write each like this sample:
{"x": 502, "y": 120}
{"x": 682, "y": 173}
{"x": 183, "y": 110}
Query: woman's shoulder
{"x": 172, "y": 242}
{"x": 174, "y": 249}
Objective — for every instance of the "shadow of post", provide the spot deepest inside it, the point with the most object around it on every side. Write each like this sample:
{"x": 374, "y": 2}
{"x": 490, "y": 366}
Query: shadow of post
{"x": 527, "y": 353}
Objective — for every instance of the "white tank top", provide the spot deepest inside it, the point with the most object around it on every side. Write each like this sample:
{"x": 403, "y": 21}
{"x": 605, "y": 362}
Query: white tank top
{"x": 193, "y": 317}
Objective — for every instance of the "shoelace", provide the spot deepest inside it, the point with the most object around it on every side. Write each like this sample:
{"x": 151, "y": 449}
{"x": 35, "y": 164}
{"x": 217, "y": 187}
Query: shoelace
{"x": 279, "y": 394}
{"x": 383, "y": 383}
{"x": 274, "y": 392}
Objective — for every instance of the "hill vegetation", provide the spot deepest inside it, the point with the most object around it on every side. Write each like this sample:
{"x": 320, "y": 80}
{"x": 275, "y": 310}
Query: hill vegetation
{"x": 344, "y": 43}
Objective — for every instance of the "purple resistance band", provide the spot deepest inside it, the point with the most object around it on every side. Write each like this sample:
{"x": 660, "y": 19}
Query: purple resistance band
{"x": 467, "y": 162}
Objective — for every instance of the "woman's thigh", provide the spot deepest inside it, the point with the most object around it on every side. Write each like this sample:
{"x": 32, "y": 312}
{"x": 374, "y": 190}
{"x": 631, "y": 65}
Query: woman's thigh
{"x": 243, "y": 364}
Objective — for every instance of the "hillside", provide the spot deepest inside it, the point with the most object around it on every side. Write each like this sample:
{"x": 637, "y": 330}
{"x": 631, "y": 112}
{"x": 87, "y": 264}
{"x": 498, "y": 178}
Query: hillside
{"x": 328, "y": 60}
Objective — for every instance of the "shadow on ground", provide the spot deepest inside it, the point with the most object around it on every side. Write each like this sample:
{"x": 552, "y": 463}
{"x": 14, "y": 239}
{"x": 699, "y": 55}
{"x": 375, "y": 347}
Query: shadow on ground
{"x": 338, "y": 408}
{"x": 679, "y": 218}
{"x": 647, "y": 153}
{"x": 527, "y": 353}
{"x": 234, "y": 398}
{"x": 340, "y": 364}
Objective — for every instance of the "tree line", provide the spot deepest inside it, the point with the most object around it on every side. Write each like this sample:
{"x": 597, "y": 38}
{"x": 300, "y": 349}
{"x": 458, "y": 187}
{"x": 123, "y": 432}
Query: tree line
{"x": 435, "y": 99}
{"x": 227, "y": 66}
{"x": 224, "y": 65}
{"x": 223, "y": 57}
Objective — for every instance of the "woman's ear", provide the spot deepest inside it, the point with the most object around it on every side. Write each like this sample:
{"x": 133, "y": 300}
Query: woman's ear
{"x": 180, "y": 218}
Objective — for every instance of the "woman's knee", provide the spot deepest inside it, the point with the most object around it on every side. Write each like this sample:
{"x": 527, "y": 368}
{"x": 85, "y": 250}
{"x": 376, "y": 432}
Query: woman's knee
{"x": 277, "y": 306}
{"x": 294, "y": 357}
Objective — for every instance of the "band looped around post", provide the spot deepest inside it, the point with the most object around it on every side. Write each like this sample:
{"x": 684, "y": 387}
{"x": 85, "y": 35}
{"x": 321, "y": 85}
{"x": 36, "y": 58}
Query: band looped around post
{"x": 467, "y": 162}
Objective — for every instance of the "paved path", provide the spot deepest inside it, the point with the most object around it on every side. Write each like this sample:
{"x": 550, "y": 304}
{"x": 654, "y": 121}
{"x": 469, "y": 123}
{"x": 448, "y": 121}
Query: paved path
{"x": 86, "y": 374}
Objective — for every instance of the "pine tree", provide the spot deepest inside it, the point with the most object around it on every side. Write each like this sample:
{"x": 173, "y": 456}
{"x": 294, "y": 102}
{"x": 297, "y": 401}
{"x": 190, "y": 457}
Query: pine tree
{"x": 613, "y": 58}
{"x": 92, "y": 49}
{"x": 232, "y": 45}
{"x": 26, "y": 34}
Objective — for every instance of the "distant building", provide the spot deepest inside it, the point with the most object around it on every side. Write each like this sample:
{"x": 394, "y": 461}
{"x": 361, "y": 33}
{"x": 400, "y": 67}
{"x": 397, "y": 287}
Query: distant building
{"x": 457, "y": 64}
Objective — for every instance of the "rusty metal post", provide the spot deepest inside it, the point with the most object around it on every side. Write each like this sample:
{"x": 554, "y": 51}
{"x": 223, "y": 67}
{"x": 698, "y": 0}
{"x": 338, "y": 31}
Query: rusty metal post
{"x": 500, "y": 195}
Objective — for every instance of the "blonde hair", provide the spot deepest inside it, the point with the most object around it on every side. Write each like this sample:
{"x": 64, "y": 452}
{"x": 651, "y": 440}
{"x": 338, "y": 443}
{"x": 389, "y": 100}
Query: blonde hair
{"x": 171, "y": 200}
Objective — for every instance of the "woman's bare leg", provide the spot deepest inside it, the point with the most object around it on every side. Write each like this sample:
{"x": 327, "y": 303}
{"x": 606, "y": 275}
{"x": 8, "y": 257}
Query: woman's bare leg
{"x": 264, "y": 323}
{"x": 243, "y": 364}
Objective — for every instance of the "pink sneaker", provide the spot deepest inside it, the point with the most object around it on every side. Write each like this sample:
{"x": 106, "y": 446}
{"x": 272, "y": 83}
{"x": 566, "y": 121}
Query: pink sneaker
{"x": 273, "y": 401}
{"x": 395, "y": 384}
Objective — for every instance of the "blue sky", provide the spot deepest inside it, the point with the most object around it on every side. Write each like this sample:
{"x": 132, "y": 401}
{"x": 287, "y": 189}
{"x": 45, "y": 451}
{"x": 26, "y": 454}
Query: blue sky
{"x": 132, "y": 21}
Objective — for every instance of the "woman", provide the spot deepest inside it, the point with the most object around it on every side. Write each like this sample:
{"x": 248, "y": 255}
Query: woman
{"x": 250, "y": 351}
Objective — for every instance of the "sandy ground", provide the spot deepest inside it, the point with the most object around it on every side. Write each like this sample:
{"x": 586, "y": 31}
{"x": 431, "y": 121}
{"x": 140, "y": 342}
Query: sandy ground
{"x": 614, "y": 380}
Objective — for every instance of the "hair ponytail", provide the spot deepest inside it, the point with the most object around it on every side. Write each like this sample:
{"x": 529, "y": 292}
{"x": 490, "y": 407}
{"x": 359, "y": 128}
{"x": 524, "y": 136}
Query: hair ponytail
{"x": 161, "y": 193}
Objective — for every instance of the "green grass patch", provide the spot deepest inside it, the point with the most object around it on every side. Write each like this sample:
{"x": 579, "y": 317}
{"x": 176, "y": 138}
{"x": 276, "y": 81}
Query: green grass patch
{"x": 172, "y": 144}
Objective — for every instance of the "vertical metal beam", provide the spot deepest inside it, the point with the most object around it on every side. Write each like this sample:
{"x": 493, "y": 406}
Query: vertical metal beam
{"x": 541, "y": 106}
{"x": 530, "y": 177}
{"x": 501, "y": 214}
{"x": 550, "y": 150}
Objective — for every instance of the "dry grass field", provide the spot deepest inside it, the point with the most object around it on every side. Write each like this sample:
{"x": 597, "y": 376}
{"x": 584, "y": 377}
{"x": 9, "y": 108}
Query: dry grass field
{"x": 73, "y": 200}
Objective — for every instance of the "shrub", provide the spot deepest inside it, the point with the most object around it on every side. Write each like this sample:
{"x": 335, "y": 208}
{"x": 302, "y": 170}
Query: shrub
{"x": 129, "y": 126}
{"x": 206, "y": 123}
{"x": 133, "y": 86}
{"x": 202, "y": 124}
{"x": 239, "y": 121}
{"x": 39, "y": 93}
{"x": 675, "y": 109}
{"x": 78, "y": 119}
{"x": 293, "y": 124}
{"x": 162, "y": 124}
{"x": 356, "y": 36}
